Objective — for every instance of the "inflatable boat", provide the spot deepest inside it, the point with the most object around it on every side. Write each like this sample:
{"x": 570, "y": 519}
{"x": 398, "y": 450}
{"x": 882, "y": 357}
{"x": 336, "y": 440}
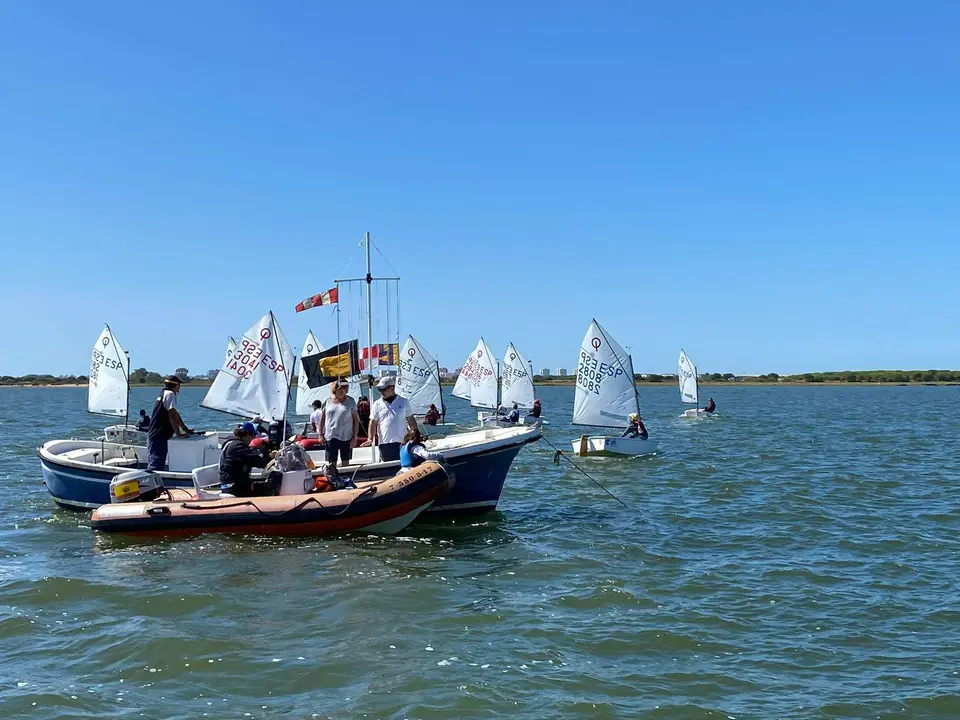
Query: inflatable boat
{"x": 386, "y": 506}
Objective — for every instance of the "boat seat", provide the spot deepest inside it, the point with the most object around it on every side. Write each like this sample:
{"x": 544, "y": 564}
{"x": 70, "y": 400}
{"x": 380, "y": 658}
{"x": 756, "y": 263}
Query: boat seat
{"x": 121, "y": 462}
{"x": 206, "y": 481}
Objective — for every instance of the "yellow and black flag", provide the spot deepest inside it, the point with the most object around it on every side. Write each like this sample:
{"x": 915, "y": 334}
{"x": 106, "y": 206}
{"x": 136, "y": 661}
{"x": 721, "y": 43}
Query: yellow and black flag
{"x": 340, "y": 361}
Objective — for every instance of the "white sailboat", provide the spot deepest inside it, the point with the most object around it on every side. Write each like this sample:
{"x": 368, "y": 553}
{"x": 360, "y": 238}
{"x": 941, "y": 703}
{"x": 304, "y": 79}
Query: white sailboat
{"x": 479, "y": 380}
{"x": 516, "y": 386}
{"x": 108, "y": 389}
{"x": 255, "y": 379}
{"x": 418, "y": 379}
{"x": 606, "y": 395}
{"x": 689, "y": 390}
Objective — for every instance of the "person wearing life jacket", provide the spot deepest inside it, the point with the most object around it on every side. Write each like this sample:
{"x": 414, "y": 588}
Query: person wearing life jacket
{"x": 636, "y": 428}
{"x": 433, "y": 415}
{"x": 514, "y": 415}
{"x": 238, "y": 458}
{"x": 537, "y": 409}
{"x": 711, "y": 406}
{"x": 412, "y": 451}
{"x": 165, "y": 422}
{"x": 144, "y": 422}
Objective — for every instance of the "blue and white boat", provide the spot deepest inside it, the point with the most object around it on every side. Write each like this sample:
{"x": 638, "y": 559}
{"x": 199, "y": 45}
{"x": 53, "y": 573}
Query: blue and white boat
{"x": 77, "y": 473}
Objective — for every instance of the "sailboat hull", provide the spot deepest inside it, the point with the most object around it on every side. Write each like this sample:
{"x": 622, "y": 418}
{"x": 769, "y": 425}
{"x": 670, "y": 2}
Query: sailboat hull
{"x": 601, "y": 446}
{"x": 693, "y": 413}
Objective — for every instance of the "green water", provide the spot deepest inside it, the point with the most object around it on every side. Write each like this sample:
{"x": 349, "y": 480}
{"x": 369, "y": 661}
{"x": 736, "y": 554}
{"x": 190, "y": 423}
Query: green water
{"x": 795, "y": 556}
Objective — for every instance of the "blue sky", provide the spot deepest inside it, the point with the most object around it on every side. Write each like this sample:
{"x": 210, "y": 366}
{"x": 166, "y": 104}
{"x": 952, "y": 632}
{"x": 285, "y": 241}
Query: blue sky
{"x": 772, "y": 186}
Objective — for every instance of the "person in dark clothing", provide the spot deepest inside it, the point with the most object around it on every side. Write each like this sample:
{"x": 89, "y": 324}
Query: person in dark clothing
{"x": 635, "y": 429}
{"x": 363, "y": 411}
{"x": 144, "y": 422}
{"x": 711, "y": 406}
{"x": 433, "y": 415}
{"x": 514, "y": 415}
{"x": 237, "y": 459}
{"x": 537, "y": 409}
{"x": 165, "y": 422}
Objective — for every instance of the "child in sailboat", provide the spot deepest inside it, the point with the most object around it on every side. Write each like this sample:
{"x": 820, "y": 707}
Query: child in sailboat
{"x": 433, "y": 415}
{"x": 636, "y": 428}
{"x": 711, "y": 406}
{"x": 537, "y": 409}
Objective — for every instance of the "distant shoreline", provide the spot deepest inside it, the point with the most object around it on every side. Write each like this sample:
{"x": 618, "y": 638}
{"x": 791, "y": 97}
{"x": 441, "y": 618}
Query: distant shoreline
{"x": 639, "y": 383}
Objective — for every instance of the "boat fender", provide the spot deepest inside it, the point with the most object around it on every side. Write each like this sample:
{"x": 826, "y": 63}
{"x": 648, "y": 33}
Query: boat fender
{"x": 310, "y": 443}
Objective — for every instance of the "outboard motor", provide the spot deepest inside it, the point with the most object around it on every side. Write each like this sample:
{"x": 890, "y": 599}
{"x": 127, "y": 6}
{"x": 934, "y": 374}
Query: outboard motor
{"x": 275, "y": 434}
{"x": 136, "y": 486}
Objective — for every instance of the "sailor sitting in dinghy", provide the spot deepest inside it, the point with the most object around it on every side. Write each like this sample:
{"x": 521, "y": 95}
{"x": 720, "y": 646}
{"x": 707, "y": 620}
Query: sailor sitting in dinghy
{"x": 636, "y": 428}
{"x": 711, "y": 406}
{"x": 236, "y": 461}
{"x": 412, "y": 452}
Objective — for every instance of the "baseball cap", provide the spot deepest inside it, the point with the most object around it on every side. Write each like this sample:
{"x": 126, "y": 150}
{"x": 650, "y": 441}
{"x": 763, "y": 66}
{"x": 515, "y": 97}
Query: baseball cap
{"x": 386, "y": 381}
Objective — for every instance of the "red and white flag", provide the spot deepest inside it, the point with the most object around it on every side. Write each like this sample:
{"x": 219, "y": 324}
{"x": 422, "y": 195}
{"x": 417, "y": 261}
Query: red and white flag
{"x": 325, "y": 298}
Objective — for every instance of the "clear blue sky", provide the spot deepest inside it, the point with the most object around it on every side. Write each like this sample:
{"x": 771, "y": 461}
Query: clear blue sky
{"x": 772, "y": 186}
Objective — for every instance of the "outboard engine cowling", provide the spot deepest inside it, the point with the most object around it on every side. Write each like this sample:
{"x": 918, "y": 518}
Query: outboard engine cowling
{"x": 136, "y": 486}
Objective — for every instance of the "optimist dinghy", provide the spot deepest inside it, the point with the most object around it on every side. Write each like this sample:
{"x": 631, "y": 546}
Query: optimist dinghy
{"x": 387, "y": 506}
{"x": 606, "y": 395}
{"x": 689, "y": 389}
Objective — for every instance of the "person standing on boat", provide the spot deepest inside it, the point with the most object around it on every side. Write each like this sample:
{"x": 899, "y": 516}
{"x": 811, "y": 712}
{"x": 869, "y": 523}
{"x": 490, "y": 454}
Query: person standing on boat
{"x": 315, "y": 417}
{"x": 433, "y": 415}
{"x": 238, "y": 458}
{"x": 390, "y": 417}
{"x": 165, "y": 422}
{"x": 711, "y": 406}
{"x": 636, "y": 428}
{"x": 339, "y": 422}
{"x": 363, "y": 412}
{"x": 413, "y": 452}
{"x": 144, "y": 422}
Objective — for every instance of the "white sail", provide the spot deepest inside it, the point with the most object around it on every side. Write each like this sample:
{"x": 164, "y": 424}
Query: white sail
{"x": 306, "y": 394}
{"x": 687, "y": 373}
{"x": 605, "y": 393}
{"x": 516, "y": 381}
{"x": 107, "y": 389}
{"x": 478, "y": 381}
{"x": 255, "y": 380}
{"x": 418, "y": 380}
{"x": 231, "y": 346}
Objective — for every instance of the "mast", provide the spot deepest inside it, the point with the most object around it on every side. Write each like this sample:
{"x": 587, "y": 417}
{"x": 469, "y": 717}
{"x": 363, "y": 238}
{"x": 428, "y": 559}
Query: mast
{"x": 443, "y": 409}
{"x": 126, "y": 417}
{"x": 633, "y": 380}
{"x": 369, "y": 279}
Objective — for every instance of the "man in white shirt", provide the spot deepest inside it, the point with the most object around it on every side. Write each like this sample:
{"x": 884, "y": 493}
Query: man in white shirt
{"x": 165, "y": 422}
{"x": 390, "y": 417}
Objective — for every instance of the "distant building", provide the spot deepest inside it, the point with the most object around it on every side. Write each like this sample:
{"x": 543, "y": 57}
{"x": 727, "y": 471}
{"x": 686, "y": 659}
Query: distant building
{"x": 211, "y": 374}
{"x": 545, "y": 372}
{"x": 444, "y": 372}
{"x": 561, "y": 372}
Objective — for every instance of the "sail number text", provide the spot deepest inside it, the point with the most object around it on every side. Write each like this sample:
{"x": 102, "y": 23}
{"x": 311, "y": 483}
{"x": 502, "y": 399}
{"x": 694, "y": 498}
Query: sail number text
{"x": 590, "y": 373}
{"x": 247, "y": 355}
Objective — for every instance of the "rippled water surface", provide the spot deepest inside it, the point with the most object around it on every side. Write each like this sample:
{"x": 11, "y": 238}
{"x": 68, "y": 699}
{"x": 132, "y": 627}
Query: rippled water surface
{"x": 795, "y": 556}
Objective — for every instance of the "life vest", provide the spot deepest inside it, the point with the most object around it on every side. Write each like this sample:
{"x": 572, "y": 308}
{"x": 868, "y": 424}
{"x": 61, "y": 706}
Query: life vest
{"x": 407, "y": 458}
{"x": 160, "y": 427}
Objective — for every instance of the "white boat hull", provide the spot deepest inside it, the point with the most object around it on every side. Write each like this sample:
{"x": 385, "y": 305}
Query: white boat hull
{"x": 599, "y": 445}
{"x": 694, "y": 413}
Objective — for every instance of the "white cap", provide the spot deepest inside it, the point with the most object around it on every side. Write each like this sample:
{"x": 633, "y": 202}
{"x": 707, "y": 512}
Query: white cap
{"x": 386, "y": 381}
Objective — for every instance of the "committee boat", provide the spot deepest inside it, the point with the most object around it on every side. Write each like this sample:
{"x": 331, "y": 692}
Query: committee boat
{"x": 606, "y": 395}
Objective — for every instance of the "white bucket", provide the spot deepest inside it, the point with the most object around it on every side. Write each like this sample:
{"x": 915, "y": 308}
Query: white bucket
{"x": 296, "y": 482}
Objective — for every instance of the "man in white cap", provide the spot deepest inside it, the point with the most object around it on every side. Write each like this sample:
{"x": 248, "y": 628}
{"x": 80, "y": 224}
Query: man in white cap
{"x": 390, "y": 416}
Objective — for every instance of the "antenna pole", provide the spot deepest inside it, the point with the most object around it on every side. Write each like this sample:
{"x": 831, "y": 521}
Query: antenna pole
{"x": 369, "y": 279}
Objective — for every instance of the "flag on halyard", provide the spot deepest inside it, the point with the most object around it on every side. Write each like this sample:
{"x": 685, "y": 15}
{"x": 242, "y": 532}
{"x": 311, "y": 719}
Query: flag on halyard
{"x": 383, "y": 354}
{"x": 388, "y": 353}
{"x": 331, "y": 364}
{"x": 325, "y": 298}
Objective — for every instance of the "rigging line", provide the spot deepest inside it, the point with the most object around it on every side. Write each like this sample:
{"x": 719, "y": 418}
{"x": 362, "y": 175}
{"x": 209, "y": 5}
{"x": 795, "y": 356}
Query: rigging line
{"x": 389, "y": 264}
{"x": 560, "y": 454}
